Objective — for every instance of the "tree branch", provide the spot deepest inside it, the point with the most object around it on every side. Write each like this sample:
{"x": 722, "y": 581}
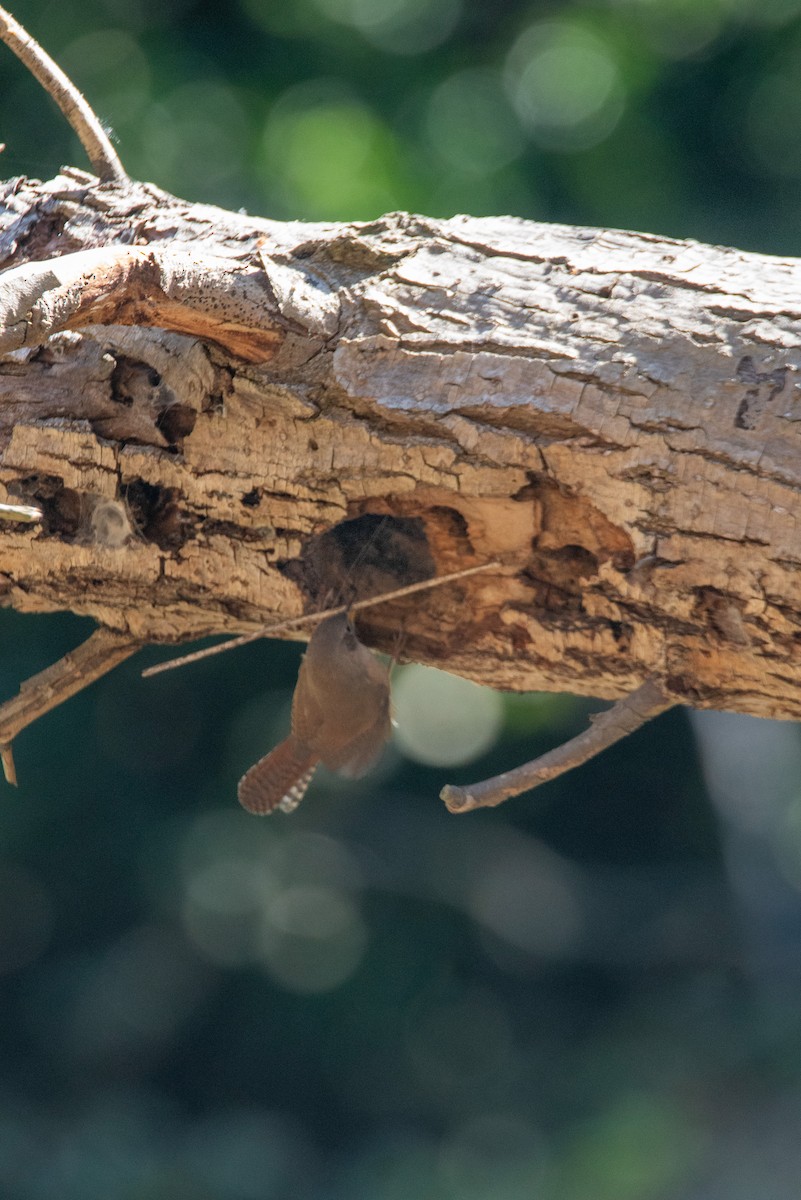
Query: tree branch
{"x": 186, "y": 291}
{"x": 93, "y": 137}
{"x": 316, "y": 617}
{"x": 581, "y": 406}
{"x": 334, "y": 383}
{"x": 317, "y": 376}
{"x": 96, "y": 656}
{"x": 606, "y": 728}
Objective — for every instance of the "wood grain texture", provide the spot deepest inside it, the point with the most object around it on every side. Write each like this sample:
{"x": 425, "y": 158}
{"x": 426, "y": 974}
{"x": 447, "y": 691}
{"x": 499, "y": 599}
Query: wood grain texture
{"x": 613, "y": 416}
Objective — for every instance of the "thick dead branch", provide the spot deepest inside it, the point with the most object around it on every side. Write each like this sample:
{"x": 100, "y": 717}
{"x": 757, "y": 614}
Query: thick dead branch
{"x": 605, "y": 729}
{"x": 610, "y": 415}
{"x": 71, "y": 674}
{"x": 278, "y": 417}
{"x": 73, "y": 105}
{"x": 227, "y": 421}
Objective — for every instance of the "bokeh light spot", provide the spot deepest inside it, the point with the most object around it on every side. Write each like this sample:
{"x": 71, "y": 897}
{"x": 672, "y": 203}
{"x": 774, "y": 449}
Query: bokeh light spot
{"x": 198, "y": 133}
{"x": 444, "y": 720}
{"x": 279, "y": 899}
{"x": 132, "y": 1000}
{"x": 397, "y": 26}
{"x": 395, "y": 1165}
{"x": 470, "y": 123}
{"x": 682, "y": 28}
{"x": 110, "y": 66}
{"x": 311, "y": 912}
{"x": 564, "y": 85}
{"x": 642, "y": 1146}
{"x": 246, "y": 1154}
{"x": 529, "y": 897}
{"x": 313, "y": 939}
{"x": 223, "y": 911}
{"x": 330, "y": 154}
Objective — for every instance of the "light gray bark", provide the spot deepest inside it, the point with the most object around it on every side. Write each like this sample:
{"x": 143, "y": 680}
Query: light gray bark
{"x": 191, "y": 395}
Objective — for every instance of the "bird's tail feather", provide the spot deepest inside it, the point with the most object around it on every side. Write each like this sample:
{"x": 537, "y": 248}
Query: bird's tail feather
{"x": 279, "y": 780}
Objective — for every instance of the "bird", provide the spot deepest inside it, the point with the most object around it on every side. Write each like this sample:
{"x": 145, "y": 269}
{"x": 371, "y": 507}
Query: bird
{"x": 341, "y": 717}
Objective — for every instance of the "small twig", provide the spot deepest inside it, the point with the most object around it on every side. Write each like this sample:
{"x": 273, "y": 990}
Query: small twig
{"x": 75, "y": 108}
{"x": 9, "y": 769}
{"x": 607, "y": 727}
{"x": 314, "y": 618}
{"x": 20, "y": 512}
{"x": 71, "y": 674}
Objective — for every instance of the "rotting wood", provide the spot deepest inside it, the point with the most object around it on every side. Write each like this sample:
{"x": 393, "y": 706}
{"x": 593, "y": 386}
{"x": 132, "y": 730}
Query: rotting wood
{"x": 612, "y": 416}
{"x": 213, "y": 413}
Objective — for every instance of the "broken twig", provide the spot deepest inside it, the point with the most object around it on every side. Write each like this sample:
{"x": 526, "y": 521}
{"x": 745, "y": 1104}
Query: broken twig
{"x": 20, "y": 512}
{"x": 92, "y": 135}
{"x": 314, "y": 618}
{"x": 606, "y": 728}
{"x": 71, "y": 674}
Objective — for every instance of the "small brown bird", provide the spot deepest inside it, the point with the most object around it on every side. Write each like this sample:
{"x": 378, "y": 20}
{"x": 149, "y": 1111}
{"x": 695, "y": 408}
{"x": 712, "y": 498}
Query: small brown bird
{"x": 340, "y": 717}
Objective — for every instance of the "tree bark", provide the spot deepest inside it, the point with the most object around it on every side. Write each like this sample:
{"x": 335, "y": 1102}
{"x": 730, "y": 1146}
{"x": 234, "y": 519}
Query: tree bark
{"x": 193, "y": 397}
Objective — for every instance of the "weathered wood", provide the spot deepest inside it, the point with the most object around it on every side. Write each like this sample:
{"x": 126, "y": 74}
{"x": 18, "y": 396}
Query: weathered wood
{"x": 191, "y": 394}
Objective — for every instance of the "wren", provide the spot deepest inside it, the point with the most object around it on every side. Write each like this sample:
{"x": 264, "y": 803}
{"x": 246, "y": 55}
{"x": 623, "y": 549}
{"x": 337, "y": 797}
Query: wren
{"x": 340, "y": 717}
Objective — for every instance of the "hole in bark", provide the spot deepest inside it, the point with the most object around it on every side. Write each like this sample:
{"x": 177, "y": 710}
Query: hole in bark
{"x": 176, "y": 422}
{"x": 138, "y": 388}
{"x": 451, "y": 524}
{"x": 571, "y": 565}
{"x": 744, "y": 418}
{"x": 62, "y": 507}
{"x": 574, "y": 533}
{"x": 558, "y": 577}
{"x": 622, "y": 633}
{"x": 156, "y": 515}
{"x": 65, "y": 512}
{"x": 132, "y": 381}
{"x": 362, "y": 557}
{"x": 45, "y": 238}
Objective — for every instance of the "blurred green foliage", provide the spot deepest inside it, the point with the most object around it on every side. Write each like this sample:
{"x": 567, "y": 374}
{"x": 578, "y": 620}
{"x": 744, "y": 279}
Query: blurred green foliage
{"x": 676, "y": 116}
{"x": 590, "y": 993}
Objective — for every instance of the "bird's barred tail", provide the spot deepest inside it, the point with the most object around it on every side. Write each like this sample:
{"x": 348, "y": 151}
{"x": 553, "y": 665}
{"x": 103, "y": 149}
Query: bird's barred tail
{"x": 279, "y": 780}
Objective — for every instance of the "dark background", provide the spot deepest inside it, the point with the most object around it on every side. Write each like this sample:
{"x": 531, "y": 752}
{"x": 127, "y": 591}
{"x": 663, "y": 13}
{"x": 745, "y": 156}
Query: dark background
{"x": 591, "y": 993}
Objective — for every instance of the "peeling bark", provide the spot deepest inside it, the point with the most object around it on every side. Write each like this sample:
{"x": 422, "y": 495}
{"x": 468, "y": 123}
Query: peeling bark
{"x": 612, "y": 416}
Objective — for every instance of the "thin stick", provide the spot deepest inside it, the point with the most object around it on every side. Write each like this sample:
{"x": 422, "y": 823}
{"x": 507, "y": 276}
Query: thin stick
{"x": 608, "y": 727}
{"x": 314, "y": 618}
{"x": 20, "y": 512}
{"x": 75, "y": 108}
{"x": 9, "y": 768}
{"x": 71, "y": 674}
